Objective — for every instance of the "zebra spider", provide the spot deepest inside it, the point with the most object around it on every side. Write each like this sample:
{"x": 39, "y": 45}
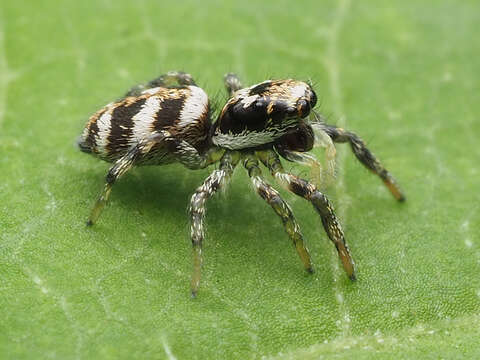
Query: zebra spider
{"x": 168, "y": 120}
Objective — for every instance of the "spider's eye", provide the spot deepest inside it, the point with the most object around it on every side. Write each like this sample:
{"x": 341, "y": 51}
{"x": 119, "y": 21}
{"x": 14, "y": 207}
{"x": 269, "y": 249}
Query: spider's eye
{"x": 313, "y": 99}
{"x": 302, "y": 139}
{"x": 303, "y": 108}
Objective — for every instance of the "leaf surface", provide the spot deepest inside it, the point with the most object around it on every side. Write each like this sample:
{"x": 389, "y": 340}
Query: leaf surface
{"x": 402, "y": 74}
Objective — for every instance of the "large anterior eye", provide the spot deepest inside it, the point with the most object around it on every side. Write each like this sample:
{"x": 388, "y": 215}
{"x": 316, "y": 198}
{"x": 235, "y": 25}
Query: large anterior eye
{"x": 302, "y": 139}
{"x": 313, "y": 99}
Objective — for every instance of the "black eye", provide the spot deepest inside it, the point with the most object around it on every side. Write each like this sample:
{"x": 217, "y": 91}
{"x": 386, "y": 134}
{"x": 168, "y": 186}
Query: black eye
{"x": 313, "y": 99}
{"x": 301, "y": 139}
{"x": 303, "y": 108}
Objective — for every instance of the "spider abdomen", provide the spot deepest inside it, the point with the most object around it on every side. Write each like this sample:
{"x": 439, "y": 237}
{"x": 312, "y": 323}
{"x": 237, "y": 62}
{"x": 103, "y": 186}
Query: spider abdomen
{"x": 114, "y": 129}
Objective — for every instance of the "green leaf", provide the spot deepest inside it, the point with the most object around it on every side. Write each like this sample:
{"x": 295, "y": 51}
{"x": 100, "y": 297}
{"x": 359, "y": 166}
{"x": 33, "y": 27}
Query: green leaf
{"x": 402, "y": 74}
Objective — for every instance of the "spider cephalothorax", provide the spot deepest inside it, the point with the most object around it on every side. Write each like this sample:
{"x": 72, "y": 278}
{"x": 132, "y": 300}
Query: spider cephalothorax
{"x": 262, "y": 113}
{"x": 168, "y": 120}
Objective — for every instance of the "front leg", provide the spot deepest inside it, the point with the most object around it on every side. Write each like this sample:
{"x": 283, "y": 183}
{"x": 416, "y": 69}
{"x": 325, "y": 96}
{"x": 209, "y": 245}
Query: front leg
{"x": 319, "y": 201}
{"x": 211, "y": 185}
{"x": 365, "y": 156}
{"x": 316, "y": 174}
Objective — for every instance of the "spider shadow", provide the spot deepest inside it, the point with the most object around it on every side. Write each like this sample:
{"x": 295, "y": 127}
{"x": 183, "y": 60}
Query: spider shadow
{"x": 151, "y": 190}
{"x": 236, "y": 220}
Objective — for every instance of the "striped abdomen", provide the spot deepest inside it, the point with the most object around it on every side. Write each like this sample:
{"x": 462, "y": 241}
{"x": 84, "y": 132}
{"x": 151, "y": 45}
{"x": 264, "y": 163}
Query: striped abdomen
{"x": 183, "y": 112}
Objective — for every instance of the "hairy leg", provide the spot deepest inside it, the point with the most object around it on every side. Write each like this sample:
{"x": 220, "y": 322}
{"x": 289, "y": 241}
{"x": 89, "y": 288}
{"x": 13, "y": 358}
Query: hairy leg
{"x": 120, "y": 167}
{"x": 366, "y": 157}
{"x": 232, "y": 83}
{"x": 309, "y": 160}
{"x": 183, "y": 151}
{"x": 210, "y": 186}
{"x": 170, "y": 79}
{"x": 189, "y": 156}
{"x": 319, "y": 201}
{"x": 322, "y": 139}
{"x": 281, "y": 208}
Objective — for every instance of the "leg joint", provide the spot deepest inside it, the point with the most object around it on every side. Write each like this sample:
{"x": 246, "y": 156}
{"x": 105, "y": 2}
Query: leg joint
{"x": 300, "y": 187}
{"x": 319, "y": 198}
{"x": 111, "y": 177}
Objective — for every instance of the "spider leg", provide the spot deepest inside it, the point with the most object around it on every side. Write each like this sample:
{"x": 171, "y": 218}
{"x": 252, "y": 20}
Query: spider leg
{"x": 210, "y": 186}
{"x": 189, "y": 156}
{"x": 319, "y": 201}
{"x": 183, "y": 151}
{"x": 365, "y": 156}
{"x": 309, "y": 160}
{"x": 232, "y": 83}
{"x": 120, "y": 167}
{"x": 322, "y": 139}
{"x": 170, "y": 79}
{"x": 281, "y": 208}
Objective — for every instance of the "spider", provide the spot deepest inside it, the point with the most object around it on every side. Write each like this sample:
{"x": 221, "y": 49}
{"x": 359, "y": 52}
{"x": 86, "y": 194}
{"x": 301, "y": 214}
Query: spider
{"x": 168, "y": 120}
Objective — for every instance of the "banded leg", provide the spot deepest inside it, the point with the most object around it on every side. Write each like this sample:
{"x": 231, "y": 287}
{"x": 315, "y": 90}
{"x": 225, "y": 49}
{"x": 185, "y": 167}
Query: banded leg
{"x": 120, "y": 167}
{"x": 232, "y": 83}
{"x": 211, "y": 185}
{"x": 281, "y": 208}
{"x": 170, "y": 79}
{"x": 189, "y": 156}
{"x": 366, "y": 157}
{"x": 319, "y": 201}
